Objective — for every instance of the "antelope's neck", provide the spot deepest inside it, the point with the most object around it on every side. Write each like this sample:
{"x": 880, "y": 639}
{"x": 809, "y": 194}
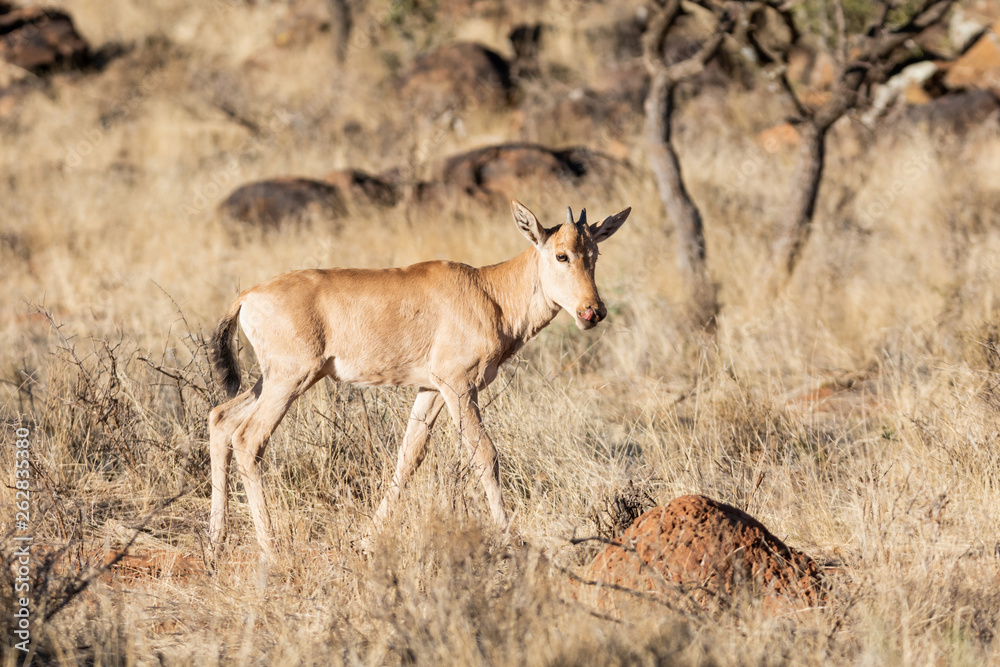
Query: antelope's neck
{"x": 516, "y": 288}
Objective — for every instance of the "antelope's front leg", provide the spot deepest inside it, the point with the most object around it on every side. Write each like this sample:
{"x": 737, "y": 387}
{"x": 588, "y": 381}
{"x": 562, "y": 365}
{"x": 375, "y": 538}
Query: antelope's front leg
{"x": 464, "y": 408}
{"x": 412, "y": 451}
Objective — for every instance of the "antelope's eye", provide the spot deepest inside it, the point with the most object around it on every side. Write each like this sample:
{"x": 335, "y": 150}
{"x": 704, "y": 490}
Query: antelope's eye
{"x": 562, "y": 257}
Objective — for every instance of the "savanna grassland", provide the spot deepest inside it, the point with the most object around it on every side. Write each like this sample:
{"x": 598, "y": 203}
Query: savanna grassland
{"x": 854, "y": 411}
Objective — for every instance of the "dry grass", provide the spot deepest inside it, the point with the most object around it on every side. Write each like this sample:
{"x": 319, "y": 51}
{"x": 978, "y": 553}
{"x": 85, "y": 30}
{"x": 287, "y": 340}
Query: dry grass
{"x": 855, "y": 414}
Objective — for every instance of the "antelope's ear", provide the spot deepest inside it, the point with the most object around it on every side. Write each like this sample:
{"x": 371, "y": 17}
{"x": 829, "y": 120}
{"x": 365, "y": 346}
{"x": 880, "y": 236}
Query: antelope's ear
{"x": 528, "y": 223}
{"x": 610, "y": 225}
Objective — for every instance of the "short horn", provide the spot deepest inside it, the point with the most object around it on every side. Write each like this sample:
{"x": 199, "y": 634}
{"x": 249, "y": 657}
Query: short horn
{"x": 583, "y": 218}
{"x": 569, "y": 215}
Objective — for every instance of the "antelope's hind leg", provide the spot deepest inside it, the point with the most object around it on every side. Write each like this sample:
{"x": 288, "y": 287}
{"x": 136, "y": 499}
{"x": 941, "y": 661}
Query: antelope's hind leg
{"x": 223, "y": 420}
{"x": 251, "y": 438}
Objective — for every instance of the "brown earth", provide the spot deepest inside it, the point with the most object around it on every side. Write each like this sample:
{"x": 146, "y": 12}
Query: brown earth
{"x": 711, "y": 552}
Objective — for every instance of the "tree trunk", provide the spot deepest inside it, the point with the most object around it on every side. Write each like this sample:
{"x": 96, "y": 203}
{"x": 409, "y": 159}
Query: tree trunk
{"x": 680, "y": 208}
{"x": 798, "y": 216}
{"x": 340, "y": 18}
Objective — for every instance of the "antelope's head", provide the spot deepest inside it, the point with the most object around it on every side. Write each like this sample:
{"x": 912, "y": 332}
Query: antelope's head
{"x": 567, "y": 258}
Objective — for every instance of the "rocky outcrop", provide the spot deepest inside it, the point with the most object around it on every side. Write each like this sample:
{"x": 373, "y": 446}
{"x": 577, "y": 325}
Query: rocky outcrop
{"x": 485, "y": 175}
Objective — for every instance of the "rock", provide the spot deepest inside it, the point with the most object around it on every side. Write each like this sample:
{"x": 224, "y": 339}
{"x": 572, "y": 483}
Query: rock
{"x": 711, "y": 552}
{"x": 363, "y": 188}
{"x": 274, "y": 202}
{"x": 459, "y": 75}
{"x": 506, "y": 168}
{"x": 41, "y": 40}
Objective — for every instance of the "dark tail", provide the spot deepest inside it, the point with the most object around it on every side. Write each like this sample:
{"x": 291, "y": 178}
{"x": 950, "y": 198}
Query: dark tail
{"x": 223, "y": 352}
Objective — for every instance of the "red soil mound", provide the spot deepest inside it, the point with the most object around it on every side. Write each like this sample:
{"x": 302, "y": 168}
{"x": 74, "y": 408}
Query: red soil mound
{"x": 712, "y": 552}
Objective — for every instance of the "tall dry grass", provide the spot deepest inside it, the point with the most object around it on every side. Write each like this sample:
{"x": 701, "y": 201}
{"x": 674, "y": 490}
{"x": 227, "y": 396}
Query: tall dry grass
{"x": 855, "y": 414}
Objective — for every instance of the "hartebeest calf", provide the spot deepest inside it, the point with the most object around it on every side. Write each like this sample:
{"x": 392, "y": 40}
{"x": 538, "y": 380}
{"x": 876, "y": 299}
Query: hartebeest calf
{"x": 440, "y": 326}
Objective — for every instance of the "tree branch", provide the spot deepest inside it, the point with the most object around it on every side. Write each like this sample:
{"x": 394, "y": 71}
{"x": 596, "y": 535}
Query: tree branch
{"x": 838, "y": 12}
{"x": 656, "y": 34}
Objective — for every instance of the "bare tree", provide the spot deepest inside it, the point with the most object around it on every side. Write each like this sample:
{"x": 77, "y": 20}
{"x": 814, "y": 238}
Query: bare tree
{"x": 862, "y": 62}
{"x": 681, "y": 209}
{"x": 866, "y": 60}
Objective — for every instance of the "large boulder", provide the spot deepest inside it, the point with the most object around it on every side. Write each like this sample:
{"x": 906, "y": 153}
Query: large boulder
{"x": 273, "y": 202}
{"x": 505, "y": 169}
{"x": 41, "y": 40}
{"x": 459, "y": 75}
{"x": 711, "y": 552}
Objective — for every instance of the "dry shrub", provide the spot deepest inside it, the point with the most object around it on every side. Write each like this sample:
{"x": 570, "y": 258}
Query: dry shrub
{"x": 618, "y": 510}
